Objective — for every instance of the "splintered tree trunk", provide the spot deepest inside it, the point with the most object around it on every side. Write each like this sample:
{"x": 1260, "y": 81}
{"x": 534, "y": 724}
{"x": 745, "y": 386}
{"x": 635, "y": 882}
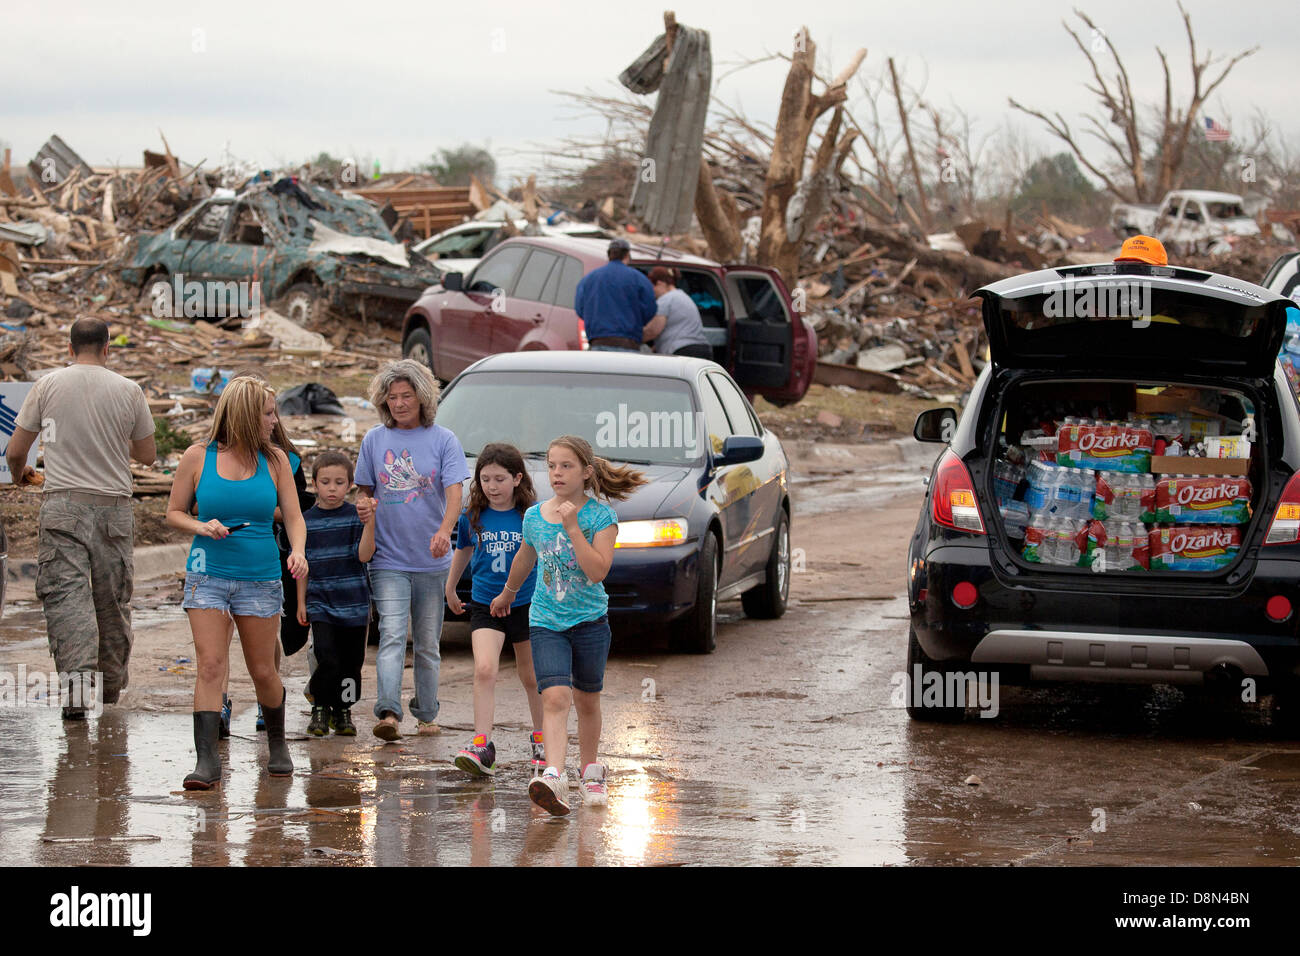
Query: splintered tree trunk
{"x": 800, "y": 109}
{"x": 716, "y": 222}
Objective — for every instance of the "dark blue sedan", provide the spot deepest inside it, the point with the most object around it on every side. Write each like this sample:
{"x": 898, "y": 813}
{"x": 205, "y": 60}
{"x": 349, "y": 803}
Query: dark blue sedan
{"x": 714, "y": 521}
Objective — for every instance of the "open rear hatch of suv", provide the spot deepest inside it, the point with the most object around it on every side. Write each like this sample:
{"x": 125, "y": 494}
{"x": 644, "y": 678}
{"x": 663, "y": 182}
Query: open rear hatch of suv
{"x": 1130, "y": 418}
{"x": 1135, "y": 318}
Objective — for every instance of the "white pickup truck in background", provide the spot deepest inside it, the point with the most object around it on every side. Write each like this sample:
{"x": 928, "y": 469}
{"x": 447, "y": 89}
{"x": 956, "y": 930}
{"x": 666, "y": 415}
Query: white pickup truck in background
{"x": 1188, "y": 220}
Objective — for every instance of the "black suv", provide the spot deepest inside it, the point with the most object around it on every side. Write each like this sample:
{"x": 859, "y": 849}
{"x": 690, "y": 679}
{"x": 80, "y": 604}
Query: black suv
{"x": 1110, "y": 342}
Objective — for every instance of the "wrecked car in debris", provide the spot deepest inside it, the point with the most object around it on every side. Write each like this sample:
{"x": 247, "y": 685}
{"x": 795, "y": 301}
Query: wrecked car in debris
{"x": 1188, "y": 221}
{"x": 460, "y": 248}
{"x": 289, "y": 244}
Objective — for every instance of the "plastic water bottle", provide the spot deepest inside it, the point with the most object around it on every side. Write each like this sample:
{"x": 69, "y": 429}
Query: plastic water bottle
{"x": 1087, "y": 491}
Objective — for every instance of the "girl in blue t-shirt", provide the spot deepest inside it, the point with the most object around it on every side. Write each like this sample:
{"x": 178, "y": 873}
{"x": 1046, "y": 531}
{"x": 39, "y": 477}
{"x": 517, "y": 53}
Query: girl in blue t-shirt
{"x": 572, "y": 536}
{"x": 488, "y": 534}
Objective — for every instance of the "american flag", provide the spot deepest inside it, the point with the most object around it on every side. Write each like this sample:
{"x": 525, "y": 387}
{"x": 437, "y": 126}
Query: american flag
{"x": 1216, "y": 133}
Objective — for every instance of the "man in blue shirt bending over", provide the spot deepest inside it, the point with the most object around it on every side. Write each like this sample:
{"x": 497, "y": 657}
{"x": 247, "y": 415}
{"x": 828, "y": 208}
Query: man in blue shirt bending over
{"x": 617, "y": 304}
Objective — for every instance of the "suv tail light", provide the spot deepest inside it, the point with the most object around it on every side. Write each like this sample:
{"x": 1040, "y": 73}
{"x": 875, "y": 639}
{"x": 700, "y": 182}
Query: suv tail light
{"x": 1285, "y": 528}
{"x": 952, "y": 500}
{"x": 582, "y": 335}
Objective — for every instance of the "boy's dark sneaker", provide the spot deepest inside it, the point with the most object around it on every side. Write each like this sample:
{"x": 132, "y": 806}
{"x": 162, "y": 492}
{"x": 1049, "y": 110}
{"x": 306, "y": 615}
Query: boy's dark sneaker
{"x": 341, "y": 721}
{"x": 479, "y": 758}
{"x": 223, "y": 725}
{"x": 319, "y": 725}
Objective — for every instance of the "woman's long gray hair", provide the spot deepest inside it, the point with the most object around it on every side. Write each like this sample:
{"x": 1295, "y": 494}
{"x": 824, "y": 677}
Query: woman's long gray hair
{"x": 413, "y": 373}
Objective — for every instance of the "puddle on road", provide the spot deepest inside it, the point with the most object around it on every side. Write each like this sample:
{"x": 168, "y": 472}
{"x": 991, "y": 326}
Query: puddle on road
{"x": 108, "y": 792}
{"x": 23, "y": 625}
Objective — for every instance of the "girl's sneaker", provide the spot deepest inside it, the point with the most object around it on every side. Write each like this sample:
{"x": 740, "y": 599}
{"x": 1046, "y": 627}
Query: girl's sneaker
{"x": 223, "y": 726}
{"x": 479, "y": 758}
{"x": 341, "y": 721}
{"x": 261, "y": 720}
{"x": 539, "y": 752}
{"x": 550, "y": 791}
{"x": 594, "y": 792}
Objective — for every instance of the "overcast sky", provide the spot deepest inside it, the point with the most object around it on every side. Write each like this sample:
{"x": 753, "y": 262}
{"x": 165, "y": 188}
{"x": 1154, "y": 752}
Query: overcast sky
{"x": 281, "y": 82}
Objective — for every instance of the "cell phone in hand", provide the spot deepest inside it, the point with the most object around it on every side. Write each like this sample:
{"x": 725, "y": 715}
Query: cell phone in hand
{"x": 236, "y": 527}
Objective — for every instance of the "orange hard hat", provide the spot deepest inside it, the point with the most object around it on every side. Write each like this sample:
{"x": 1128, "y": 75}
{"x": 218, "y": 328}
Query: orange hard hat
{"x": 1143, "y": 249}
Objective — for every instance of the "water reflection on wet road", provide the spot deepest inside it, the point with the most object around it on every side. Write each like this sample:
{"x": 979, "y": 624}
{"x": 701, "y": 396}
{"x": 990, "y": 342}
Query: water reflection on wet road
{"x": 797, "y": 757}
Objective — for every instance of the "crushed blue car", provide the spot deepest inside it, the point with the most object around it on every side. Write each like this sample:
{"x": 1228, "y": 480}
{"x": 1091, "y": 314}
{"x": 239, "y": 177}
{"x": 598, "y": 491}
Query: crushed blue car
{"x": 292, "y": 245}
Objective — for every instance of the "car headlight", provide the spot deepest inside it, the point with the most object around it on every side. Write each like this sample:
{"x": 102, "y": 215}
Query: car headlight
{"x": 650, "y": 534}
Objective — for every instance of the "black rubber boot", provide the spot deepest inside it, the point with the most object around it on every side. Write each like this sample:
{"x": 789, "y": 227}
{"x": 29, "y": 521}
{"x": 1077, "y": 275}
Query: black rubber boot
{"x": 279, "y": 763}
{"x": 207, "y": 771}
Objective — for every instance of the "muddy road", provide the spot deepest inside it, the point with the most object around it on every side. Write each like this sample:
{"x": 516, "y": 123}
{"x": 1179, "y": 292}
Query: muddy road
{"x": 788, "y": 745}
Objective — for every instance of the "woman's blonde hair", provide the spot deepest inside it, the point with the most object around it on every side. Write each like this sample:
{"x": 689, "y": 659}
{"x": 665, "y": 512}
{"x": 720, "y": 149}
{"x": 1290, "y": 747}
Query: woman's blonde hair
{"x": 237, "y": 421}
{"x": 615, "y": 482}
{"x": 414, "y": 374}
{"x": 279, "y": 436}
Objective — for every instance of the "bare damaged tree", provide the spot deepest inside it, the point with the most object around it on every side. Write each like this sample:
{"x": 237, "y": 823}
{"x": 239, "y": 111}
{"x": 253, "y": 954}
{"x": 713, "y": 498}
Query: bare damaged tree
{"x": 1167, "y": 144}
{"x": 800, "y": 109}
{"x": 911, "y": 150}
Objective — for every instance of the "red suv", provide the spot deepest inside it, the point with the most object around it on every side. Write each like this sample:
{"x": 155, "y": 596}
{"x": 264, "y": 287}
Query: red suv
{"x": 520, "y": 297}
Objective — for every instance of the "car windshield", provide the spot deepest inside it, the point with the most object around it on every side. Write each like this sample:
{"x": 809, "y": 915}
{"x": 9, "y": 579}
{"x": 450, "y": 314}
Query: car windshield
{"x": 632, "y": 418}
{"x": 468, "y": 242}
{"x": 1226, "y": 210}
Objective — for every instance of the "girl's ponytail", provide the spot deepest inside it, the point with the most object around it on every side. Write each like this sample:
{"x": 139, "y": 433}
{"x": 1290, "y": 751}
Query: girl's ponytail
{"x": 609, "y": 481}
{"x": 616, "y": 482}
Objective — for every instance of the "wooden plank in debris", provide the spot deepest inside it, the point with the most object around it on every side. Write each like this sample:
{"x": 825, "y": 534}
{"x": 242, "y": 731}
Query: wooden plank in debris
{"x": 832, "y": 373}
{"x": 963, "y": 359}
{"x": 8, "y": 269}
{"x": 6, "y": 181}
{"x": 60, "y": 262}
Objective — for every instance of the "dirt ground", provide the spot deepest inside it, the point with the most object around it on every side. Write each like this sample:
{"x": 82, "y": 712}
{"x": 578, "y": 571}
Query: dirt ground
{"x": 864, "y": 416}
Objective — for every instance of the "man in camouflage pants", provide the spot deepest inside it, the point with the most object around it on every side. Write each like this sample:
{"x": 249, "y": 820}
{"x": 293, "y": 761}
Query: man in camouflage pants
{"x": 92, "y": 422}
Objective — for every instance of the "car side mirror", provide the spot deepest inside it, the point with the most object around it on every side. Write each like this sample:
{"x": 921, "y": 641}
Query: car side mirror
{"x": 935, "y": 424}
{"x": 454, "y": 281}
{"x": 739, "y": 449}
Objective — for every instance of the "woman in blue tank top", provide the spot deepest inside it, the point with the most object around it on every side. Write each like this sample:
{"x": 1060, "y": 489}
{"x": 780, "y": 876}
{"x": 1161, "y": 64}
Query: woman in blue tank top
{"x": 237, "y": 478}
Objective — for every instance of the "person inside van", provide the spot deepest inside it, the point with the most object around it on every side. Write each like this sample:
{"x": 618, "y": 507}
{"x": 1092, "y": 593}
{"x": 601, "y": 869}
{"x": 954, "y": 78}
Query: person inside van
{"x": 683, "y": 330}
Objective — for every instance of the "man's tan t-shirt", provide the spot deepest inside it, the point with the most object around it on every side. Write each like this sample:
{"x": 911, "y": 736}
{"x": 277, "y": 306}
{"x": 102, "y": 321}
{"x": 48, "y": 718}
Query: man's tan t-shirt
{"x": 87, "y": 415}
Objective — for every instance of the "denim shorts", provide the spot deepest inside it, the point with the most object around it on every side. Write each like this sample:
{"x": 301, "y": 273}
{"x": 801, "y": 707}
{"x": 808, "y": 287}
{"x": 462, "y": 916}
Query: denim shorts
{"x": 203, "y": 592}
{"x": 572, "y": 658}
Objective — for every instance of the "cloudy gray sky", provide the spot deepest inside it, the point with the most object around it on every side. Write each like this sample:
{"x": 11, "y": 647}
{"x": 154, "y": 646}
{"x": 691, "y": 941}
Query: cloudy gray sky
{"x": 396, "y": 81}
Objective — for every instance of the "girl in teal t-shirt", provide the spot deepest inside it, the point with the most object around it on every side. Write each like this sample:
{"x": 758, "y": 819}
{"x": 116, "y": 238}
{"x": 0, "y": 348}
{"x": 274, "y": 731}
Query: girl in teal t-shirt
{"x": 572, "y": 537}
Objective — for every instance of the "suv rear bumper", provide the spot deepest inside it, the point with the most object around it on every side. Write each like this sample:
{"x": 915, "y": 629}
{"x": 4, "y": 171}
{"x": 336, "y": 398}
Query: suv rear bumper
{"x": 1100, "y": 628}
{"x": 1139, "y": 658}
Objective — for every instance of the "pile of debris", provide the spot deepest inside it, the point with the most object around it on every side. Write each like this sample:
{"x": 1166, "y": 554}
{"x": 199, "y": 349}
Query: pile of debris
{"x": 893, "y": 310}
{"x": 65, "y": 231}
{"x": 71, "y": 216}
{"x": 893, "y": 313}
{"x": 1249, "y": 260}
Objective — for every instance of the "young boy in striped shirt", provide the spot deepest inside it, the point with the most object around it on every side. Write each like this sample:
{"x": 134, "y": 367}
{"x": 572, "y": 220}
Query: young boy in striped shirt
{"x": 335, "y": 595}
